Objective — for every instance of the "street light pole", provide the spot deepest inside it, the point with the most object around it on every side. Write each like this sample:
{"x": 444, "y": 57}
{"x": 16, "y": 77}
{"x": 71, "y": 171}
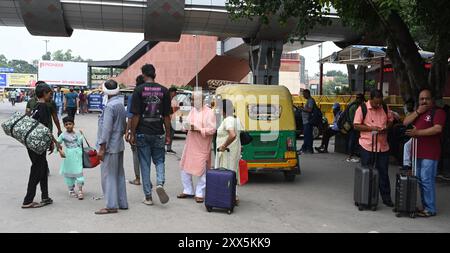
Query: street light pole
{"x": 196, "y": 62}
{"x": 46, "y": 49}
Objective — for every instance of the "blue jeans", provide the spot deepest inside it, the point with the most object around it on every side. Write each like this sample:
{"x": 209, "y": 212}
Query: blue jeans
{"x": 426, "y": 172}
{"x": 307, "y": 138}
{"x": 59, "y": 111}
{"x": 382, "y": 166}
{"x": 151, "y": 147}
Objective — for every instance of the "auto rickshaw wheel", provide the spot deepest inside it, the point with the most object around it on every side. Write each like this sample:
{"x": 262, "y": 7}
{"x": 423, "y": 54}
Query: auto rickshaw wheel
{"x": 289, "y": 176}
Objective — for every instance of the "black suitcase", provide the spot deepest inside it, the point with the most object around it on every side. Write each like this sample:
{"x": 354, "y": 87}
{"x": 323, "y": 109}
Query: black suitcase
{"x": 366, "y": 185}
{"x": 406, "y": 188}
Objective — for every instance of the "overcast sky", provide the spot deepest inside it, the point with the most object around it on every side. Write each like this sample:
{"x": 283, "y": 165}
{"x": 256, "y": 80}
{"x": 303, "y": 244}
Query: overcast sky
{"x": 17, "y": 43}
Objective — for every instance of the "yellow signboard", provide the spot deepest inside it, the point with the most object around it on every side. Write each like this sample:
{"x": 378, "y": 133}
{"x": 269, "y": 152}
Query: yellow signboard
{"x": 21, "y": 80}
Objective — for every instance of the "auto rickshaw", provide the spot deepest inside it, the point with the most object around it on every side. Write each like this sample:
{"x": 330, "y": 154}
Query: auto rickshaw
{"x": 266, "y": 113}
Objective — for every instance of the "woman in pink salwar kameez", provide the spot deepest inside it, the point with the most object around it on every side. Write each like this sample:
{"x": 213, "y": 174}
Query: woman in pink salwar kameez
{"x": 196, "y": 158}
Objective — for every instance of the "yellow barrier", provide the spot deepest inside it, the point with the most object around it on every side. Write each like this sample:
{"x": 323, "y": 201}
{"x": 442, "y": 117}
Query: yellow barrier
{"x": 325, "y": 103}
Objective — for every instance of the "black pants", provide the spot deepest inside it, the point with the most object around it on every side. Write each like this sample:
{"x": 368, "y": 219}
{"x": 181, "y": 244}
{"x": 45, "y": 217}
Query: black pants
{"x": 326, "y": 137}
{"x": 38, "y": 175}
{"x": 353, "y": 137}
{"x": 71, "y": 111}
{"x": 382, "y": 165}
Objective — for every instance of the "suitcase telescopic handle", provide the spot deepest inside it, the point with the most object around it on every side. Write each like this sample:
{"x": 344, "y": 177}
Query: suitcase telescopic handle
{"x": 218, "y": 155}
{"x": 414, "y": 156}
{"x": 374, "y": 148}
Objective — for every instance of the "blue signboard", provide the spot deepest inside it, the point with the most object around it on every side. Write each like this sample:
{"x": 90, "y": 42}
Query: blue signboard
{"x": 6, "y": 70}
{"x": 2, "y": 80}
{"x": 95, "y": 102}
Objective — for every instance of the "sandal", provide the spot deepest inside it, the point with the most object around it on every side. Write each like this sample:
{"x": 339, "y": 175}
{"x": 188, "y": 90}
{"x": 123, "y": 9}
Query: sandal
{"x": 199, "y": 200}
{"x": 236, "y": 202}
{"x": 32, "y": 205}
{"x": 425, "y": 214}
{"x": 106, "y": 211}
{"x": 135, "y": 182}
{"x": 45, "y": 202}
{"x": 80, "y": 196}
{"x": 185, "y": 196}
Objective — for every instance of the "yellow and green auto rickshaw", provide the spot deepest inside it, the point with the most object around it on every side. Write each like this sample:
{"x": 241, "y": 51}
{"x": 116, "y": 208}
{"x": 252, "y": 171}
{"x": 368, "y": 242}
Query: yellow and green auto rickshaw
{"x": 266, "y": 113}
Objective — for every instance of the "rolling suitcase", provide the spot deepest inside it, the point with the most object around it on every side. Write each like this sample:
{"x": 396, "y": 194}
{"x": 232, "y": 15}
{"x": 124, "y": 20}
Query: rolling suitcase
{"x": 406, "y": 188}
{"x": 220, "y": 187}
{"x": 366, "y": 183}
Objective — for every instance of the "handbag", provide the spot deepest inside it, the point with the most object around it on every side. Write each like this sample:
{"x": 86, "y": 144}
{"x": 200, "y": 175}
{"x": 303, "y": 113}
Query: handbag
{"x": 90, "y": 158}
{"x": 244, "y": 136}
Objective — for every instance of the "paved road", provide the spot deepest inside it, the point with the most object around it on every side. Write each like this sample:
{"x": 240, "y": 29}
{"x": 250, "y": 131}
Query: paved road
{"x": 321, "y": 200}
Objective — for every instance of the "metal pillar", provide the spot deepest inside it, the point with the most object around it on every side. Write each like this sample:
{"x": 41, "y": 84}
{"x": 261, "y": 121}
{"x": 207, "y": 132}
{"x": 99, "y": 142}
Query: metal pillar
{"x": 265, "y": 61}
{"x": 321, "y": 80}
{"x": 364, "y": 80}
{"x": 380, "y": 84}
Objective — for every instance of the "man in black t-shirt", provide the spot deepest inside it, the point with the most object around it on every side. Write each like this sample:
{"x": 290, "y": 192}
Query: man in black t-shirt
{"x": 151, "y": 110}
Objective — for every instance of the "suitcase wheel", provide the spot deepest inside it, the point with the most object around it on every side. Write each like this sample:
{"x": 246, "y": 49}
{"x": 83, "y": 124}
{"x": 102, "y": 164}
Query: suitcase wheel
{"x": 209, "y": 209}
{"x": 230, "y": 211}
{"x": 398, "y": 215}
{"x": 356, "y": 203}
{"x": 360, "y": 208}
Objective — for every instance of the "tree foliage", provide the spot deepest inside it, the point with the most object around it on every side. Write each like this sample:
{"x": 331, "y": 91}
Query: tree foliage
{"x": 20, "y": 66}
{"x": 399, "y": 23}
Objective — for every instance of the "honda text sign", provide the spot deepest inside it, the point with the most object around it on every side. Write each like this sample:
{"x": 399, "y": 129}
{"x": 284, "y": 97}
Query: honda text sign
{"x": 63, "y": 73}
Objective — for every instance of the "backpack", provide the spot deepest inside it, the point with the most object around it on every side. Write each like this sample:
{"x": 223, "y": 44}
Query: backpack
{"x": 345, "y": 124}
{"x": 364, "y": 109}
{"x": 316, "y": 115}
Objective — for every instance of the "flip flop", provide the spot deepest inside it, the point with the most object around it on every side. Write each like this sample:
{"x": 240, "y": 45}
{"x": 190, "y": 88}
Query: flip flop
{"x": 106, "y": 211}
{"x": 185, "y": 196}
{"x": 32, "y": 205}
{"x": 134, "y": 182}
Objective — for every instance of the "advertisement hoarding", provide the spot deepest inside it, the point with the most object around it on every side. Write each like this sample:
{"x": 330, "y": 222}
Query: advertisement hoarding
{"x": 63, "y": 73}
{"x": 2, "y": 80}
{"x": 21, "y": 80}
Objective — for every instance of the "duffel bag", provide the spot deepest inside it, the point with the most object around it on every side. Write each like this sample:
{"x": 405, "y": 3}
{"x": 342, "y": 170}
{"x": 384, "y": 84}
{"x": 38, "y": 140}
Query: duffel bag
{"x": 29, "y": 132}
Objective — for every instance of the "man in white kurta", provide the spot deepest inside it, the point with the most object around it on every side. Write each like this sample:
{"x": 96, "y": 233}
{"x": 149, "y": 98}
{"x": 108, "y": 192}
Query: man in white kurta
{"x": 196, "y": 158}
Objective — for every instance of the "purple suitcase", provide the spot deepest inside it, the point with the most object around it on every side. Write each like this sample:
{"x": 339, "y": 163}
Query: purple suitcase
{"x": 220, "y": 188}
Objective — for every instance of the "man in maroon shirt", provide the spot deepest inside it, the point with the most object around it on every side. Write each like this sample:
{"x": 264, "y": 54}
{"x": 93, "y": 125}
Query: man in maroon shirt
{"x": 428, "y": 121}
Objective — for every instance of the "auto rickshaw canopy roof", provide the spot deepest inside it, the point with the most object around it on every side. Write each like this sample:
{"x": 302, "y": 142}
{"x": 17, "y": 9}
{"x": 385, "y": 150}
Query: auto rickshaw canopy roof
{"x": 278, "y": 117}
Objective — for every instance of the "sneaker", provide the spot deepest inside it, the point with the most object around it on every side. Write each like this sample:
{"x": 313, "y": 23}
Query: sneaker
{"x": 355, "y": 160}
{"x": 162, "y": 194}
{"x": 321, "y": 150}
{"x": 349, "y": 160}
{"x": 170, "y": 151}
{"x": 148, "y": 201}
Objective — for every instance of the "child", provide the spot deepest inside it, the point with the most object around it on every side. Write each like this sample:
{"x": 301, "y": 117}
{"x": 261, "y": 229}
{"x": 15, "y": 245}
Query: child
{"x": 72, "y": 166}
